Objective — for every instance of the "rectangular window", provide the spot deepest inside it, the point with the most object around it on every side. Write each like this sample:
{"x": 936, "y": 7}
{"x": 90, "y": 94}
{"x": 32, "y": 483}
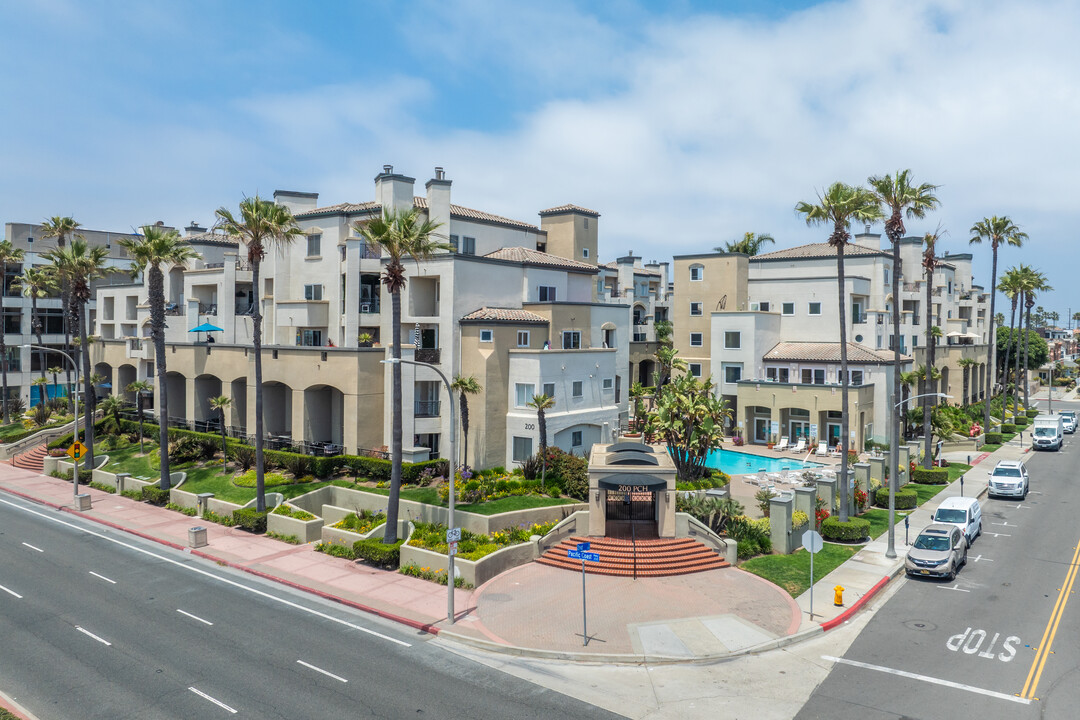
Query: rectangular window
{"x": 549, "y": 389}
{"x": 777, "y": 374}
{"x": 807, "y": 376}
{"x": 52, "y": 320}
{"x": 696, "y": 272}
{"x": 308, "y": 337}
{"x": 578, "y": 388}
{"x": 886, "y": 276}
{"x": 468, "y": 246}
{"x": 813, "y": 308}
{"x": 819, "y": 376}
{"x": 571, "y": 340}
{"x": 313, "y": 292}
{"x": 609, "y": 383}
{"x": 13, "y": 321}
{"x": 732, "y": 373}
{"x": 732, "y": 340}
{"x": 763, "y": 307}
{"x": 546, "y": 293}
{"x": 695, "y": 308}
{"x": 522, "y": 449}
{"x": 487, "y": 336}
{"x": 454, "y": 245}
{"x": 695, "y": 370}
{"x": 787, "y": 308}
{"x": 575, "y": 439}
{"x": 696, "y": 340}
{"x": 856, "y": 377}
{"x": 584, "y": 252}
{"x": 523, "y": 338}
{"x": 314, "y": 245}
{"x": 524, "y": 394}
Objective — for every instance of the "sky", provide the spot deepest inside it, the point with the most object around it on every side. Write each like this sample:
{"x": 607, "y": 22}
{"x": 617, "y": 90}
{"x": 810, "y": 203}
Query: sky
{"x": 684, "y": 124}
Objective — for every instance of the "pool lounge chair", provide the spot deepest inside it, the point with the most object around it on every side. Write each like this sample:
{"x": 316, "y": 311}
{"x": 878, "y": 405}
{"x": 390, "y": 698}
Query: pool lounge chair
{"x": 782, "y": 445}
{"x": 800, "y": 447}
{"x": 822, "y": 449}
{"x": 835, "y": 452}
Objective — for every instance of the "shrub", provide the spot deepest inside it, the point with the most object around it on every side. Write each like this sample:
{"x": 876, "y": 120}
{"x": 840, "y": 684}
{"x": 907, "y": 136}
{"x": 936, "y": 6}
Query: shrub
{"x": 424, "y": 573}
{"x": 747, "y": 549}
{"x": 226, "y": 520}
{"x": 133, "y": 494}
{"x": 250, "y": 519}
{"x": 1032, "y": 412}
{"x": 248, "y": 480}
{"x": 361, "y": 521}
{"x": 1021, "y": 422}
{"x": 190, "y": 512}
{"x": 291, "y": 539}
{"x": 294, "y": 513}
{"x": 1008, "y": 428}
{"x": 852, "y": 530}
{"x": 103, "y": 487}
{"x": 298, "y": 465}
{"x": 155, "y": 495}
{"x": 763, "y": 498}
{"x": 906, "y": 498}
{"x": 341, "y": 551}
{"x": 242, "y": 455}
{"x": 374, "y": 552}
{"x": 799, "y": 518}
{"x": 933, "y": 476}
{"x": 993, "y": 438}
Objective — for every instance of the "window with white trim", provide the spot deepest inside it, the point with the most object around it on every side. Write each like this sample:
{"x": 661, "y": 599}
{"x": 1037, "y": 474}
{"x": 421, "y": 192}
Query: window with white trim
{"x": 522, "y": 449}
{"x": 763, "y": 307}
{"x": 732, "y": 340}
{"x": 732, "y": 372}
{"x": 697, "y": 273}
{"x": 584, "y": 252}
{"x": 571, "y": 340}
{"x": 695, "y": 309}
{"x": 813, "y": 308}
{"x": 546, "y": 293}
{"x": 609, "y": 383}
{"x": 523, "y": 338}
{"x": 523, "y": 393}
{"x": 314, "y": 245}
{"x": 695, "y": 369}
{"x": 487, "y": 336}
{"x": 578, "y": 388}
{"x": 787, "y": 308}
{"x": 696, "y": 339}
{"x": 576, "y": 439}
{"x": 313, "y": 292}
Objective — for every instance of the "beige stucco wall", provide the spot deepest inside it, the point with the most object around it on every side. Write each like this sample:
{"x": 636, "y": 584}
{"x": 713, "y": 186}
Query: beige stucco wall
{"x": 724, "y": 282}
{"x": 567, "y": 236}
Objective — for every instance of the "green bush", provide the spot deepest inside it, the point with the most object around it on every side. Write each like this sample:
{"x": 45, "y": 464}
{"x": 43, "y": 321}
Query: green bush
{"x": 1032, "y": 412}
{"x": 248, "y": 480}
{"x": 155, "y": 495}
{"x": 852, "y": 530}
{"x": 1008, "y": 428}
{"x": 993, "y": 438}
{"x": 341, "y": 551}
{"x": 133, "y": 494}
{"x": 250, "y": 519}
{"x": 243, "y": 456}
{"x": 190, "y": 512}
{"x": 748, "y": 549}
{"x": 291, "y": 539}
{"x": 103, "y": 487}
{"x": 294, "y": 513}
{"x": 211, "y": 516}
{"x": 906, "y": 498}
{"x": 933, "y": 476}
{"x": 375, "y": 552}
{"x": 1022, "y": 422}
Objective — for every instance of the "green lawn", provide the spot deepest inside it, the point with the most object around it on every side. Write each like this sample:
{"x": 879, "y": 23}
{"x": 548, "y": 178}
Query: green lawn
{"x": 989, "y": 448}
{"x": 16, "y": 429}
{"x": 430, "y": 496}
{"x": 792, "y": 572}
{"x": 879, "y": 520}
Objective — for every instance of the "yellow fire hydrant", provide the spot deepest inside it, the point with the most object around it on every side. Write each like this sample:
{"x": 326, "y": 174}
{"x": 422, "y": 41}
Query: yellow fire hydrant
{"x": 838, "y": 599}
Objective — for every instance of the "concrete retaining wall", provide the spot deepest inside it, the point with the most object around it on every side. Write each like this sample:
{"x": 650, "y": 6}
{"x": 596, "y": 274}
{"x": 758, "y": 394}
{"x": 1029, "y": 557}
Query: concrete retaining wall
{"x": 474, "y": 572}
{"x": 306, "y": 530}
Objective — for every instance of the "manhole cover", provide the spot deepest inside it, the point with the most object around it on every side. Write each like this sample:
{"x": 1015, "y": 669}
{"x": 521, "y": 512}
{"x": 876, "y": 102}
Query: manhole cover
{"x": 920, "y": 625}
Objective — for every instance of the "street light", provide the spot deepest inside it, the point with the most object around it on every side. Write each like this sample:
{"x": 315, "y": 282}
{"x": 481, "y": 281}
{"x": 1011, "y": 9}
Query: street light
{"x": 75, "y": 397}
{"x": 894, "y": 473}
{"x": 453, "y": 471}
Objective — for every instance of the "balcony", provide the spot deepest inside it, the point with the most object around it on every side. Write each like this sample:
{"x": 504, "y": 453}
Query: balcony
{"x": 426, "y": 408}
{"x": 428, "y": 355}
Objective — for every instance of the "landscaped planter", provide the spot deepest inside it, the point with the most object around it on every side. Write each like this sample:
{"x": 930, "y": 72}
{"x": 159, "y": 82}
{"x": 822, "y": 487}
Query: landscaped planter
{"x": 306, "y": 530}
{"x": 474, "y": 572}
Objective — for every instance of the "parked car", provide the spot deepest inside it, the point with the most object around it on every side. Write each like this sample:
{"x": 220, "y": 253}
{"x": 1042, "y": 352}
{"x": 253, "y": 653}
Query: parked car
{"x": 1009, "y": 479}
{"x": 1068, "y": 417}
{"x": 939, "y": 551}
{"x": 963, "y": 512}
{"x": 1048, "y": 433}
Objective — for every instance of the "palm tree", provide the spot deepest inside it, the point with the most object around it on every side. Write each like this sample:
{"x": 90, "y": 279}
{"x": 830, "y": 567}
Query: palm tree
{"x": 908, "y": 380}
{"x": 840, "y": 206}
{"x": 8, "y": 254}
{"x": 1034, "y": 282}
{"x": 1076, "y": 318}
{"x": 219, "y": 403}
{"x": 749, "y": 245}
{"x": 465, "y": 386}
{"x": 929, "y": 263}
{"x": 157, "y": 247}
{"x": 899, "y": 196}
{"x": 55, "y": 372}
{"x": 997, "y": 231}
{"x": 140, "y": 387}
{"x": 37, "y": 283}
{"x": 1011, "y": 285}
{"x": 966, "y": 364}
{"x": 110, "y": 409}
{"x": 262, "y": 226}
{"x": 77, "y": 266}
{"x": 400, "y": 235}
{"x": 668, "y": 361}
{"x": 542, "y": 403}
{"x": 63, "y": 228}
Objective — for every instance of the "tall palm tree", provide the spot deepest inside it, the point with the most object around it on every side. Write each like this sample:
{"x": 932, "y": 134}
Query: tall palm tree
{"x": 400, "y": 235}
{"x": 997, "y": 231}
{"x": 63, "y": 228}
{"x": 542, "y": 403}
{"x": 899, "y": 196}
{"x": 55, "y": 371}
{"x": 465, "y": 386}
{"x": 750, "y": 244}
{"x": 219, "y": 403}
{"x": 1011, "y": 285}
{"x": 1034, "y": 283}
{"x": 37, "y": 283}
{"x": 8, "y": 254}
{"x": 155, "y": 248}
{"x": 140, "y": 388}
{"x": 263, "y": 225}
{"x": 839, "y": 206}
{"x": 929, "y": 263}
{"x": 908, "y": 380}
{"x": 1075, "y": 318}
{"x": 966, "y": 364}
{"x": 77, "y": 266}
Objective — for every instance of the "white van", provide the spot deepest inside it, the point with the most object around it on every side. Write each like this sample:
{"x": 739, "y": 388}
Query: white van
{"x": 1048, "y": 433}
{"x": 963, "y": 512}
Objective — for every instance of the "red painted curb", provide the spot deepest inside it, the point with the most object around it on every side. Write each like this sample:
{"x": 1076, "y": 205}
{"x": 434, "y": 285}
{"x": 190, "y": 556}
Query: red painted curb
{"x": 842, "y": 617}
{"x": 414, "y": 624}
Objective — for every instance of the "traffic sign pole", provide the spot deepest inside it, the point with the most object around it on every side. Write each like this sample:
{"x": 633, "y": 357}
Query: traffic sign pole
{"x": 584, "y": 615}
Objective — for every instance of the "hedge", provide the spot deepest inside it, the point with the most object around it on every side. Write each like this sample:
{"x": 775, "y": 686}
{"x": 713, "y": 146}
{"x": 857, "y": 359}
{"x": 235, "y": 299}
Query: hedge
{"x": 906, "y": 498}
{"x": 250, "y": 519}
{"x": 1032, "y": 412}
{"x": 1022, "y": 422}
{"x": 375, "y": 552}
{"x": 1008, "y": 428}
{"x": 854, "y": 529}
{"x": 155, "y": 495}
{"x": 933, "y": 476}
{"x": 993, "y": 438}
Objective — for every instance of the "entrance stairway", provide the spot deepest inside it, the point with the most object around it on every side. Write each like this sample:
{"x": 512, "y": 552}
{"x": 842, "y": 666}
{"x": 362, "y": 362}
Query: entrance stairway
{"x": 32, "y": 459}
{"x": 656, "y": 557}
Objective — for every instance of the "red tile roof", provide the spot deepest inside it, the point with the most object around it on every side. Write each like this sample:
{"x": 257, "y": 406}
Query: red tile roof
{"x": 543, "y": 259}
{"x": 817, "y": 250}
{"x": 515, "y": 315}
{"x": 456, "y": 211}
{"x": 829, "y": 352}
{"x": 563, "y": 209}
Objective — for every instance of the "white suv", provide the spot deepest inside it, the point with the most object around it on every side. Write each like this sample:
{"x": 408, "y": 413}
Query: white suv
{"x": 1008, "y": 479}
{"x": 1068, "y": 418}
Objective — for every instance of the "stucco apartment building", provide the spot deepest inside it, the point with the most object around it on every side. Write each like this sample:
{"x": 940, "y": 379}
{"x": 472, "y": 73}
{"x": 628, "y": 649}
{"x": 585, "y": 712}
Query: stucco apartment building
{"x": 766, "y": 329}
{"x": 646, "y": 288}
{"x": 513, "y": 304}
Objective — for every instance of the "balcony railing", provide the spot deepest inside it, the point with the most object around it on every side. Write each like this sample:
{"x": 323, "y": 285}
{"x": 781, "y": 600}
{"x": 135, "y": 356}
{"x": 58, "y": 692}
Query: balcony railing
{"x": 428, "y": 355}
{"x": 426, "y": 408}
{"x": 369, "y": 251}
{"x": 640, "y": 337}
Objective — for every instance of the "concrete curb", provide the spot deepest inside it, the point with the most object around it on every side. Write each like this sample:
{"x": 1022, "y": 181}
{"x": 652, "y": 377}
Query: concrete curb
{"x": 8, "y": 703}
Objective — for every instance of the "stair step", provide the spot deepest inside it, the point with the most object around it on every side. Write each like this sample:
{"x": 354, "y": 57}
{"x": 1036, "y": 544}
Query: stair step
{"x": 32, "y": 459}
{"x": 656, "y": 557}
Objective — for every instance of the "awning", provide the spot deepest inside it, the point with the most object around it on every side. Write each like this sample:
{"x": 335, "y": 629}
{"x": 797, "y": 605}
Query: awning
{"x": 622, "y": 480}
{"x": 608, "y": 326}
{"x": 206, "y": 327}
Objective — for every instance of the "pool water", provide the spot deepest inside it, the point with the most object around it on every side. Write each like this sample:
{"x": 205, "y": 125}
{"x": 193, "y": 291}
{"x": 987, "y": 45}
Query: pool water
{"x": 739, "y": 463}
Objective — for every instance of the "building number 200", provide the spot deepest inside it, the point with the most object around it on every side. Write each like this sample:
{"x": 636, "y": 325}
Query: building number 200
{"x": 530, "y": 426}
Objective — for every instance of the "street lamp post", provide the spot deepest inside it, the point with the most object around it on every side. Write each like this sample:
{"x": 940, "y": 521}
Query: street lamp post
{"x": 75, "y": 397}
{"x": 453, "y": 472}
{"x": 894, "y": 472}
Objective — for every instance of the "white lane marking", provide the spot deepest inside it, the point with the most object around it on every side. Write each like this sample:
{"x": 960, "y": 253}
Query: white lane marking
{"x": 955, "y": 587}
{"x": 928, "y": 679}
{"x": 204, "y": 573}
{"x": 102, "y": 577}
{"x": 193, "y": 617}
{"x": 1023, "y": 507}
{"x": 11, "y": 592}
{"x": 87, "y": 632}
{"x": 994, "y": 534}
{"x": 1006, "y": 524}
{"x": 979, "y": 558}
{"x": 217, "y": 702}
{"x": 320, "y": 670}
{"x": 33, "y": 548}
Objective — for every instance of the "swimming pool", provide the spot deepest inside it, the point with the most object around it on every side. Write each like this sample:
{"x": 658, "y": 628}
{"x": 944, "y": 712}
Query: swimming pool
{"x": 738, "y": 463}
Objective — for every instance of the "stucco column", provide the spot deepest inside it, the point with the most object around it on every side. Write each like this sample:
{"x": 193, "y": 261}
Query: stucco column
{"x": 804, "y": 500}
{"x": 877, "y": 469}
{"x": 780, "y": 524}
{"x": 299, "y": 433}
{"x": 351, "y": 428}
{"x": 597, "y": 509}
{"x": 905, "y": 465}
{"x": 190, "y": 401}
{"x": 826, "y": 490}
{"x": 862, "y": 477}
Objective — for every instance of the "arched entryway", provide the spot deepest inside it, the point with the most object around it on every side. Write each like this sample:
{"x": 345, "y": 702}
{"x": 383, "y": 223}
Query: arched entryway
{"x": 207, "y": 419}
{"x": 176, "y": 389}
{"x": 324, "y": 415}
{"x": 277, "y": 411}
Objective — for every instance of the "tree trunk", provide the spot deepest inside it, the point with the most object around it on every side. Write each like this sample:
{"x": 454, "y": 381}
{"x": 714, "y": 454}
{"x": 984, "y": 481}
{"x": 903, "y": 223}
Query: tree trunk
{"x": 1027, "y": 332}
{"x": 138, "y": 405}
{"x": 845, "y": 420}
{"x": 90, "y": 403}
{"x": 1016, "y": 362}
{"x": 65, "y": 298}
{"x": 36, "y": 320}
{"x": 991, "y": 343}
{"x": 224, "y": 447}
{"x": 390, "y": 535}
{"x": 894, "y": 439}
{"x": 256, "y": 342}
{"x": 927, "y": 403}
{"x": 463, "y": 402}
{"x": 156, "y": 293}
{"x": 4, "y": 357}
{"x": 541, "y": 421}
{"x": 1008, "y": 351}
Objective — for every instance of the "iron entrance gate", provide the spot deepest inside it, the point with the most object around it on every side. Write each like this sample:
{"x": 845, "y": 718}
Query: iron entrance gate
{"x": 634, "y": 504}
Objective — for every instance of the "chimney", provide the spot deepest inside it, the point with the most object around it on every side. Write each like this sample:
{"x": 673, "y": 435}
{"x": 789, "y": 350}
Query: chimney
{"x": 296, "y": 202}
{"x": 392, "y": 190}
{"x": 438, "y": 201}
{"x": 194, "y": 228}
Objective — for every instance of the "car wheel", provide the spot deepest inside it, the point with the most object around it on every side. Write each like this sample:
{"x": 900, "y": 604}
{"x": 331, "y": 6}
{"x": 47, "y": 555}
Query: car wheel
{"x": 952, "y": 574}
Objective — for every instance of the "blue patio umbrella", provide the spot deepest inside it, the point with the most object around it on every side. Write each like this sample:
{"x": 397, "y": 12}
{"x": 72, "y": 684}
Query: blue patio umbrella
{"x": 206, "y": 328}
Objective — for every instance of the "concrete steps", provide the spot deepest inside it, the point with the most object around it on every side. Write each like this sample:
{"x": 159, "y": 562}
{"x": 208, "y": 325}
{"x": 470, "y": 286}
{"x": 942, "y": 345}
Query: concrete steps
{"x": 32, "y": 459}
{"x": 656, "y": 557}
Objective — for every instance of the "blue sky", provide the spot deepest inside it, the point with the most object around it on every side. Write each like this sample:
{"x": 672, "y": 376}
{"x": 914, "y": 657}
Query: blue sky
{"x": 685, "y": 124}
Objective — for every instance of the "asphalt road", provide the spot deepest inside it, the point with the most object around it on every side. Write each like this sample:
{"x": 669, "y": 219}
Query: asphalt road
{"x": 95, "y": 624}
{"x": 998, "y": 642}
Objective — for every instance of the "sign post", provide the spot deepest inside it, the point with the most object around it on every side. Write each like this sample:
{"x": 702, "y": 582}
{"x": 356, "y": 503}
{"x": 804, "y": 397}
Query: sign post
{"x": 582, "y": 553}
{"x": 75, "y": 452}
{"x": 811, "y": 540}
